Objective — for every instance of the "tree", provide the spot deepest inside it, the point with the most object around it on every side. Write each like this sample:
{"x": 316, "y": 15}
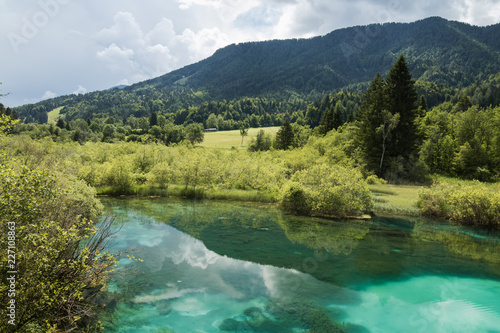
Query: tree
{"x": 371, "y": 118}
{"x": 402, "y": 98}
{"x": 332, "y": 118}
{"x": 59, "y": 251}
{"x": 284, "y": 136}
{"x": 422, "y": 105}
{"x": 60, "y": 123}
{"x": 262, "y": 142}
{"x": 212, "y": 121}
{"x": 463, "y": 105}
{"x": 153, "y": 119}
{"x": 377, "y": 123}
{"x": 243, "y": 133}
{"x": 389, "y": 124}
{"x": 327, "y": 190}
{"x": 195, "y": 133}
{"x": 108, "y": 133}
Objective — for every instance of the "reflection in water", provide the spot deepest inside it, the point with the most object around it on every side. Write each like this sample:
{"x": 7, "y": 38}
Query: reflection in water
{"x": 212, "y": 267}
{"x": 340, "y": 237}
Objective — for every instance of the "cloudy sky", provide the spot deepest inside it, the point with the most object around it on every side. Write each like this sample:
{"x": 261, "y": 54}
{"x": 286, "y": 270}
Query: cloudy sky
{"x": 57, "y": 47}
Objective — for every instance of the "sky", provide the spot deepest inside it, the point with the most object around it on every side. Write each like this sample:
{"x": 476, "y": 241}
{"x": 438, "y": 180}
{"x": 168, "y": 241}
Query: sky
{"x": 50, "y": 48}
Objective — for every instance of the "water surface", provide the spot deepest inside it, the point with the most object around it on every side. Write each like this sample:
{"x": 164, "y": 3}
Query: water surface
{"x": 231, "y": 267}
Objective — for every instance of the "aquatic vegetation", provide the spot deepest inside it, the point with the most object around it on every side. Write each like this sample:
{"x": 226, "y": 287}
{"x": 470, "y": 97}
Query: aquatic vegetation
{"x": 334, "y": 237}
{"x": 305, "y": 315}
{"x": 252, "y": 321}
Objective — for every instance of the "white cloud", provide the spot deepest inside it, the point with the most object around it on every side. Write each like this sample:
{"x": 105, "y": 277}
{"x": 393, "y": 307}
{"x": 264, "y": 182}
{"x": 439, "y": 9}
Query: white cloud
{"x": 139, "y": 56}
{"x": 80, "y": 91}
{"x": 48, "y": 94}
{"x": 480, "y": 12}
{"x": 187, "y": 4}
{"x": 97, "y": 44}
{"x": 117, "y": 58}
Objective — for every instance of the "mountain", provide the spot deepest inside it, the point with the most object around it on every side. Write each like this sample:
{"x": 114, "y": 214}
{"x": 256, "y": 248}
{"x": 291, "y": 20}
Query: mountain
{"x": 446, "y": 54}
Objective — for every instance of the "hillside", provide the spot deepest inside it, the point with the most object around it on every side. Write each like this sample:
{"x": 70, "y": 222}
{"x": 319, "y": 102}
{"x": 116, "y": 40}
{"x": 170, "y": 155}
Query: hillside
{"x": 439, "y": 50}
{"x": 448, "y": 54}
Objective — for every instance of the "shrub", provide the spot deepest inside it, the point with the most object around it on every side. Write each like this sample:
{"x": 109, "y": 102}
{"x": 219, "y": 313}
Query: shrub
{"x": 59, "y": 252}
{"x": 374, "y": 180}
{"x": 475, "y": 205}
{"x": 161, "y": 175}
{"x": 295, "y": 199}
{"x": 329, "y": 190}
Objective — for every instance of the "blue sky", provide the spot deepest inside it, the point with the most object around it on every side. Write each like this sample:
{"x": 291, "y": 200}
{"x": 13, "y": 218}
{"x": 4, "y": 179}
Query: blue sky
{"x": 57, "y": 47}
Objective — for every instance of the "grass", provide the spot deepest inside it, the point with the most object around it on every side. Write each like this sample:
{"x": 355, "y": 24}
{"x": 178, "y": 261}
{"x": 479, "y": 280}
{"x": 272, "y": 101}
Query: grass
{"x": 402, "y": 199}
{"x": 395, "y": 199}
{"x": 439, "y": 179}
{"x": 177, "y": 191}
{"x": 229, "y": 139}
{"x": 54, "y": 115}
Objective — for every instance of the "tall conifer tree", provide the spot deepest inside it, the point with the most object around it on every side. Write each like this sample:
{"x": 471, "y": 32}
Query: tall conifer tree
{"x": 285, "y": 136}
{"x": 402, "y": 98}
{"x": 371, "y": 117}
{"x": 395, "y": 95}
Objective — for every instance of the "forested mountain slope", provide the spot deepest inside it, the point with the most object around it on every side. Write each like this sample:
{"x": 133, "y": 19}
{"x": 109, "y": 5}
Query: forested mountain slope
{"x": 439, "y": 50}
{"x": 443, "y": 55}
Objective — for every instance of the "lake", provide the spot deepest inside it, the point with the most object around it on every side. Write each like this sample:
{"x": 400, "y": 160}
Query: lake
{"x": 212, "y": 266}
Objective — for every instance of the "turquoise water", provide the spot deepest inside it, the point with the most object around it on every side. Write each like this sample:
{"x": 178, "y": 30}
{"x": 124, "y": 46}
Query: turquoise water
{"x": 229, "y": 267}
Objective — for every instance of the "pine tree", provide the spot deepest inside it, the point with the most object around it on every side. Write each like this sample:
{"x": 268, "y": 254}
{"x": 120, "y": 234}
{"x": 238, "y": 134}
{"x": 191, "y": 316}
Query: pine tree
{"x": 153, "y": 119}
{"x": 387, "y": 123}
{"x": 284, "y": 136}
{"x": 402, "y": 98}
{"x": 60, "y": 123}
{"x": 423, "y": 104}
{"x": 371, "y": 118}
{"x": 338, "y": 115}
{"x": 333, "y": 118}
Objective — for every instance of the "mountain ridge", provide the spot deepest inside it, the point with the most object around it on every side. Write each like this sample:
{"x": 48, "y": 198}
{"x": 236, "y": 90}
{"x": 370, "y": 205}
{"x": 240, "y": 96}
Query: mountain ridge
{"x": 448, "y": 54}
{"x": 338, "y": 51}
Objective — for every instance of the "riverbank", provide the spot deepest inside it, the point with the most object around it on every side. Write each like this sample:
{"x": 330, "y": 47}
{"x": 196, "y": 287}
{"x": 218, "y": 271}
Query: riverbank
{"x": 388, "y": 199}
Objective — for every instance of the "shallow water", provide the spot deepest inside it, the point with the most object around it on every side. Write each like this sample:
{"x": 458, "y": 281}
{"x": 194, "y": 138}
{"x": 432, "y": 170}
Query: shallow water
{"x": 229, "y": 267}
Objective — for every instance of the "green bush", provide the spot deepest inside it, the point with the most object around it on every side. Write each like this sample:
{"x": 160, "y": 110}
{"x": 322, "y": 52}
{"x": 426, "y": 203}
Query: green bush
{"x": 295, "y": 199}
{"x": 475, "y": 205}
{"x": 60, "y": 253}
{"x": 328, "y": 191}
{"x": 374, "y": 180}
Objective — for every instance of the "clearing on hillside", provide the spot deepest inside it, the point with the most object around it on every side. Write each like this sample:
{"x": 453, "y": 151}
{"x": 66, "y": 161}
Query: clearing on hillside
{"x": 54, "y": 115}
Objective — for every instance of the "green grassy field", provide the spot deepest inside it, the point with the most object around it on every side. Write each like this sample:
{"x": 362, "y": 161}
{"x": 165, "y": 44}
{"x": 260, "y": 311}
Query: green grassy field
{"x": 229, "y": 139}
{"x": 54, "y": 115}
{"x": 395, "y": 199}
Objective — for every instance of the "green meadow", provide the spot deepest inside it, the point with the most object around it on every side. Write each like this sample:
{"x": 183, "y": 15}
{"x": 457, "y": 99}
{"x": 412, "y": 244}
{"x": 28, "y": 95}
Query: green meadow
{"x": 230, "y": 139}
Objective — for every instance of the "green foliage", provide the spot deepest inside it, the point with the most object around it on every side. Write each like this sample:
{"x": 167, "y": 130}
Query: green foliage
{"x": 475, "y": 205}
{"x": 402, "y": 99}
{"x": 60, "y": 260}
{"x": 265, "y": 83}
{"x": 388, "y": 132}
{"x": 327, "y": 191}
{"x": 462, "y": 143}
{"x": 195, "y": 133}
{"x": 262, "y": 142}
{"x": 285, "y": 136}
{"x": 294, "y": 198}
{"x": 374, "y": 180}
